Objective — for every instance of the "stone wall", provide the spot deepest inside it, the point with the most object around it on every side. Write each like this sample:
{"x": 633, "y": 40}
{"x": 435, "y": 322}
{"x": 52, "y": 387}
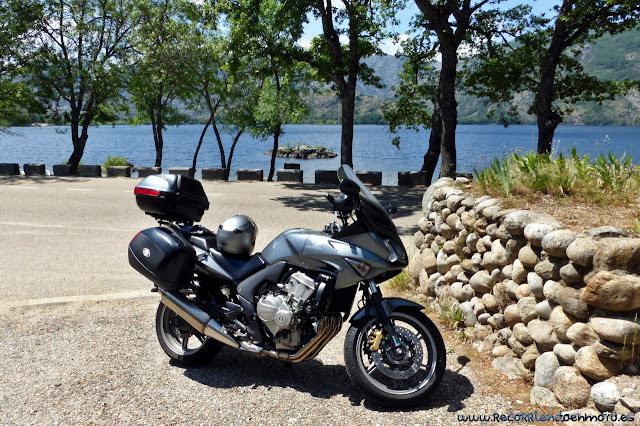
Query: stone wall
{"x": 563, "y": 304}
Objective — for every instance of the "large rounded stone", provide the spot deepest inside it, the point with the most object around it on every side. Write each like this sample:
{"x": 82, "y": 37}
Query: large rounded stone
{"x": 536, "y": 284}
{"x": 490, "y": 303}
{"x": 605, "y": 395}
{"x": 613, "y": 292}
{"x": 582, "y": 334}
{"x": 548, "y": 270}
{"x": 551, "y": 290}
{"x": 561, "y": 322}
{"x": 454, "y": 202}
{"x": 581, "y": 251}
{"x": 571, "y": 388}
{"x": 620, "y": 330}
{"x": 516, "y": 346}
{"x": 481, "y": 282}
{"x": 595, "y": 367}
{"x": 510, "y": 367}
{"x": 618, "y": 253}
{"x": 529, "y": 256}
{"x": 543, "y": 334}
{"x": 511, "y": 315}
{"x": 483, "y": 318}
{"x": 543, "y": 397}
{"x": 527, "y": 309}
{"x": 515, "y": 222}
{"x": 441, "y": 262}
{"x": 546, "y": 366}
{"x": 415, "y": 266}
{"x": 429, "y": 261}
{"x": 606, "y": 232}
{"x": 479, "y": 208}
{"x": 523, "y": 290}
{"x": 418, "y": 238}
{"x": 497, "y": 321}
{"x": 543, "y": 309}
{"x": 521, "y": 333}
{"x": 569, "y": 298}
{"x": 570, "y": 275}
{"x": 535, "y": 232}
{"x": 556, "y": 242}
{"x": 529, "y": 356}
{"x": 519, "y": 273}
{"x": 566, "y": 353}
{"x": 470, "y": 318}
{"x": 611, "y": 350}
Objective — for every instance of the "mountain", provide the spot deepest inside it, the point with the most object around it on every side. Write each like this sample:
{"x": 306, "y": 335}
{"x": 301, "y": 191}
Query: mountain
{"x": 614, "y": 57}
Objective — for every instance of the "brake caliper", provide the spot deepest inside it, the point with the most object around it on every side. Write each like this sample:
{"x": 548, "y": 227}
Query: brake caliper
{"x": 374, "y": 340}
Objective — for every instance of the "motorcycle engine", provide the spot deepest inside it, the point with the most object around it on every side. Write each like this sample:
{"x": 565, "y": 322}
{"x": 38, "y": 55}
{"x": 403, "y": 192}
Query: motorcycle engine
{"x": 279, "y": 310}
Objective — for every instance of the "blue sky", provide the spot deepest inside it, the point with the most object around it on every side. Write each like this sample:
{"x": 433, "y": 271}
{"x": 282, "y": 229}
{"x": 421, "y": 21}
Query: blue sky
{"x": 314, "y": 27}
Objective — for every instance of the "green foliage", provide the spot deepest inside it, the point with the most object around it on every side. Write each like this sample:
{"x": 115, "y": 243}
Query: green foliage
{"x": 401, "y": 282}
{"x": 573, "y": 175}
{"x": 450, "y": 314}
{"x": 115, "y": 161}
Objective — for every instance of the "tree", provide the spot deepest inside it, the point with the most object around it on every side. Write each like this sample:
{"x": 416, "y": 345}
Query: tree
{"x": 153, "y": 89}
{"x": 16, "y": 35}
{"x": 199, "y": 60}
{"x": 262, "y": 38}
{"x": 538, "y": 62}
{"x": 84, "y": 46}
{"x": 361, "y": 22}
{"x": 443, "y": 28}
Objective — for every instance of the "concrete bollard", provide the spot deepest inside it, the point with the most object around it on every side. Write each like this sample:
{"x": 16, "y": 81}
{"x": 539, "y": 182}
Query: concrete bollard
{"x": 412, "y": 179}
{"x": 9, "y": 169}
{"x": 184, "y": 171}
{"x": 215, "y": 174}
{"x": 143, "y": 172}
{"x": 61, "y": 170}
{"x": 370, "y": 178}
{"x": 327, "y": 176}
{"x": 118, "y": 171}
{"x": 289, "y": 175}
{"x": 250, "y": 174}
{"x": 90, "y": 171}
{"x": 34, "y": 169}
{"x": 292, "y": 166}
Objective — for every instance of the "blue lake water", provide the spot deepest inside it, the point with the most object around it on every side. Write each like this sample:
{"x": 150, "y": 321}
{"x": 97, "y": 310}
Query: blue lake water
{"x": 372, "y": 149}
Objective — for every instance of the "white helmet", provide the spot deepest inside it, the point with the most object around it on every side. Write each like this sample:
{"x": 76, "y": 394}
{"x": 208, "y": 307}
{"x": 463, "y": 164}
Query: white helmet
{"x": 237, "y": 235}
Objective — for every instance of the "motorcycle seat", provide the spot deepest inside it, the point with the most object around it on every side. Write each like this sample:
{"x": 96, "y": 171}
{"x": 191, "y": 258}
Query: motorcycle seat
{"x": 239, "y": 267}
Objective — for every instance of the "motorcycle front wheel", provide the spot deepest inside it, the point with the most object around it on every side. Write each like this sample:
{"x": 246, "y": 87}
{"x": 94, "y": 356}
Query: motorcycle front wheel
{"x": 184, "y": 344}
{"x": 401, "y": 375}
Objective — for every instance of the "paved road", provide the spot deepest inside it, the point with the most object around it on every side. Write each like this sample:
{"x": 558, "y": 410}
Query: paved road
{"x": 78, "y": 342}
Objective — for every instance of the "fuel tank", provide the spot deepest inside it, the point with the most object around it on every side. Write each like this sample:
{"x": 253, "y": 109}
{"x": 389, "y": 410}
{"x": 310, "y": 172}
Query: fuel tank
{"x": 318, "y": 251}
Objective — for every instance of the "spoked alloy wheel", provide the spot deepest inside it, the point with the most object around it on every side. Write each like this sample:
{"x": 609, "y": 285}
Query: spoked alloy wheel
{"x": 185, "y": 345}
{"x": 398, "y": 376}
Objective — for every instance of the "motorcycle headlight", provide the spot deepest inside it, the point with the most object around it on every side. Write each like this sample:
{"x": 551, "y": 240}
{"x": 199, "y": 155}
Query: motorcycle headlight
{"x": 361, "y": 268}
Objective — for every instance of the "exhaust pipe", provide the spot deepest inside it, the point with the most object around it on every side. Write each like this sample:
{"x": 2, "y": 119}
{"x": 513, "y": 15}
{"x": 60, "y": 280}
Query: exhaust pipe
{"x": 196, "y": 317}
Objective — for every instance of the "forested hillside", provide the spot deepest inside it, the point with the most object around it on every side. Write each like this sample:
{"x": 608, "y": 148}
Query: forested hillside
{"x": 611, "y": 57}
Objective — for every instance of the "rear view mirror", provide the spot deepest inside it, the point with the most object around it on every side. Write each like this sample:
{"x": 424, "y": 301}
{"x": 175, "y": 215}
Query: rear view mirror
{"x": 349, "y": 187}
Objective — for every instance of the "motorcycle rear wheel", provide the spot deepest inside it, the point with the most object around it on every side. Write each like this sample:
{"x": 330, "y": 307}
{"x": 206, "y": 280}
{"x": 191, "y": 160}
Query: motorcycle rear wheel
{"x": 184, "y": 344}
{"x": 401, "y": 376}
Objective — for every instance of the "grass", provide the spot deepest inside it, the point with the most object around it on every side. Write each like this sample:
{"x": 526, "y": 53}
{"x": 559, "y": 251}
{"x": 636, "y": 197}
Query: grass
{"x": 607, "y": 180}
{"x": 114, "y": 161}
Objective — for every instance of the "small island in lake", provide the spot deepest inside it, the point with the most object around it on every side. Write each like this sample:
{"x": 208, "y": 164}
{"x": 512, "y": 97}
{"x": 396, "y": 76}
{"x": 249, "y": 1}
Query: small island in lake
{"x": 304, "y": 152}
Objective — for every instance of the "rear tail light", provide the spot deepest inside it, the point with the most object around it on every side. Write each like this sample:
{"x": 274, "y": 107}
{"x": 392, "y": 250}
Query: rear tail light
{"x": 145, "y": 191}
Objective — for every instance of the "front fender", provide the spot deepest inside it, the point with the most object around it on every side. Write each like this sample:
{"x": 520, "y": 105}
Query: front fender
{"x": 391, "y": 304}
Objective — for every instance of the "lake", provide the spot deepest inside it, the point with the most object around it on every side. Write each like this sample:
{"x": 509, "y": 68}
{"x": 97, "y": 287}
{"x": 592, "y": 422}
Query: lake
{"x": 372, "y": 149}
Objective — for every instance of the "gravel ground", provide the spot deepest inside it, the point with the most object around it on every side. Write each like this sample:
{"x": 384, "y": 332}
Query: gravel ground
{"x": 100, "y": 363}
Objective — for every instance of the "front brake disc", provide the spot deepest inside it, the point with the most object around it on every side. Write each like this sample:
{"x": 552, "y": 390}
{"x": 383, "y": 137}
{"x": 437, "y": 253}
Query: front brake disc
{"x": 401, "y": 369}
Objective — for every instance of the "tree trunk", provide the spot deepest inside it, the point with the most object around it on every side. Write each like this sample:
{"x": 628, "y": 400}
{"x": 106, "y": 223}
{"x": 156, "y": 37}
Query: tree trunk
{"x": 548, "y": 120}
{"x": 158, "y": 131}
{"x": 195, "y": 156}
{"x": 433, "y": 153}
{"x": 448, "y": 107}
{"x": 219, "y": 140}
{"x": 233, "y": 148}
{"x": 276, "y": 138}
{"x": 157, "y": 141}
{"x": 346, "y": 140}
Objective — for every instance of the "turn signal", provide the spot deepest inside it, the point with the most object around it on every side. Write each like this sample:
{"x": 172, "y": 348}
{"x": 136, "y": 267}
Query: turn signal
{"x": 360, "y": 267}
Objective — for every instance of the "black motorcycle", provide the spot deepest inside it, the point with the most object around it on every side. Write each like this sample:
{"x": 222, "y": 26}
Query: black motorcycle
{"x": 290, "y": 300}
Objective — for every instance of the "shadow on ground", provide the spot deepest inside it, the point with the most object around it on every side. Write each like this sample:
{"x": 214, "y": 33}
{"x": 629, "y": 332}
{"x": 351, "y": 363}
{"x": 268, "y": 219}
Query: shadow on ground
{"x": 230, "y": 369}
{"x": 406, "y": 200}
{"x": 15, "y": 180}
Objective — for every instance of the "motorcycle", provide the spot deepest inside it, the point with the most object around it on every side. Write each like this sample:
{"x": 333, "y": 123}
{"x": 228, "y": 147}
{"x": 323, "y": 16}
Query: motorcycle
{"x": 290, "y": 300}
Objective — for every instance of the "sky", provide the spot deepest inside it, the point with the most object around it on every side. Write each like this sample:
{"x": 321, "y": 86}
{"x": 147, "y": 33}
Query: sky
{"x": 314, "y": 27}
